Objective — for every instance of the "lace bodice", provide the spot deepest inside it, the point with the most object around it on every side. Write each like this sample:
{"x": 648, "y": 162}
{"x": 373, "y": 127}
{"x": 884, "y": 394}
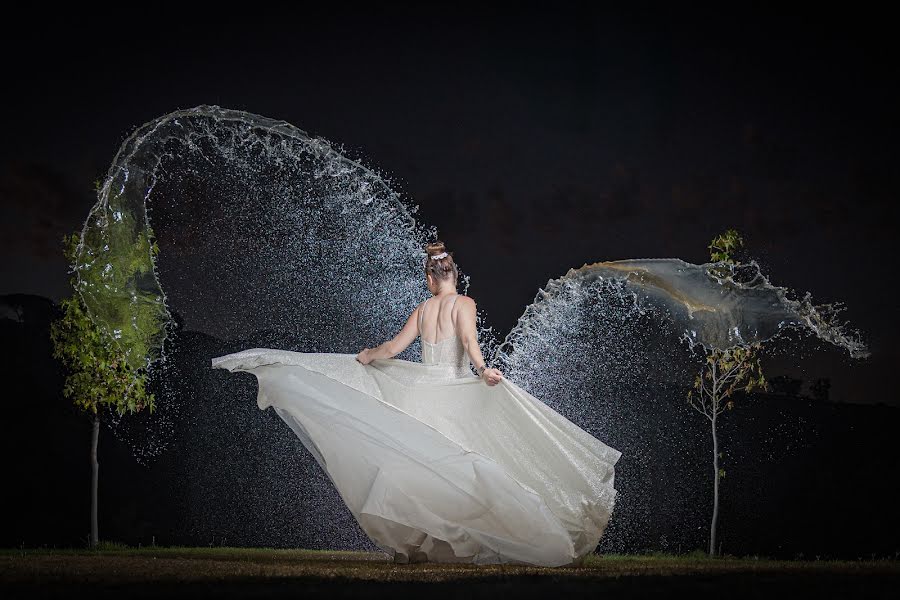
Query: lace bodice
{"x": 449, "y": 354}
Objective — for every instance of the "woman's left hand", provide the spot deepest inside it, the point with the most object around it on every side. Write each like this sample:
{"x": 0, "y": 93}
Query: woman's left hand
{"x": 363, "y": 356}
{"x": 492, "y": 376}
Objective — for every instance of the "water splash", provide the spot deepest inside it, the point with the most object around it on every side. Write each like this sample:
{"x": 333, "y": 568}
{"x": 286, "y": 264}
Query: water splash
{"x": 221, "y": 182}
{"x": 715, "y": 305}
{"x": 269, "y": 237}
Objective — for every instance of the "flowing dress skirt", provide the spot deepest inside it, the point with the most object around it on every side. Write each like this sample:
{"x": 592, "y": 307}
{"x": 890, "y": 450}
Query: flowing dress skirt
{"x": 439, "y": 467}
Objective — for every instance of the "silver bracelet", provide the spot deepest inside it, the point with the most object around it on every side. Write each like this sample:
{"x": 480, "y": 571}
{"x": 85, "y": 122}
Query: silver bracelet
{"x": 481, "y": 369}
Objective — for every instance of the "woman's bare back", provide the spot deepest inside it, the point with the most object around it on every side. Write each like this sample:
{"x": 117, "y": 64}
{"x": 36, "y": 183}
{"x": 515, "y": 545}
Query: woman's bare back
{"x": 437, "y": 318}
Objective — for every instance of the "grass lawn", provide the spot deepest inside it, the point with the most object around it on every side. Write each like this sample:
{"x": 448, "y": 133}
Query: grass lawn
{"x": 233, "y": 572}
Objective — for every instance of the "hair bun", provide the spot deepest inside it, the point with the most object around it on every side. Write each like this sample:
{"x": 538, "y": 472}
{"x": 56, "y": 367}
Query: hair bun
{"x": 435, "y": 248}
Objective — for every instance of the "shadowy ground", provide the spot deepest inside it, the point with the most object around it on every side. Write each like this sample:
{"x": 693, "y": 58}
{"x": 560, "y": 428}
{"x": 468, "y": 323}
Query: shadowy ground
{"x": 265, "y": 572}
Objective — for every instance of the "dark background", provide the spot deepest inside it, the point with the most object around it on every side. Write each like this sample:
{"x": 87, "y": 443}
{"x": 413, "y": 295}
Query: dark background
{"x": 535, "y": 140}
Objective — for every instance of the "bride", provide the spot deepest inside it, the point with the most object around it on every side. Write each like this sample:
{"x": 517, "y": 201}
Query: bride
{"x": 445, "y": 315}
{"x": 434, "y": 462}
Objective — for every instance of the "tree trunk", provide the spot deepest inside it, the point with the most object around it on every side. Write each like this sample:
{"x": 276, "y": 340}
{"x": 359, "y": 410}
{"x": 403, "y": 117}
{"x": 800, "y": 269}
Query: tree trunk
{"x": 715, "y": 514}
{"x": 95, "y": 466}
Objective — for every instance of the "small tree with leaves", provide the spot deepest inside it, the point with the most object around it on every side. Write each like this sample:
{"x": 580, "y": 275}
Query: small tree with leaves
{"x": 725, "y": 373}
{"x": 98, "y": 373}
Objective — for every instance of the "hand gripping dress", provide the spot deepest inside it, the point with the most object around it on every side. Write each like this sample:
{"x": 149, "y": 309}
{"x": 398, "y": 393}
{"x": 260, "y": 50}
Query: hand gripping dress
{"x": 435, "y": 464}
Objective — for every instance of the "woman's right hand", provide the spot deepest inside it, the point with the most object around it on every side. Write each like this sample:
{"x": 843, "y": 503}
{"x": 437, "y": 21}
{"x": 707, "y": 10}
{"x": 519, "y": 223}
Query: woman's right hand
{"x": 492, "y": 376}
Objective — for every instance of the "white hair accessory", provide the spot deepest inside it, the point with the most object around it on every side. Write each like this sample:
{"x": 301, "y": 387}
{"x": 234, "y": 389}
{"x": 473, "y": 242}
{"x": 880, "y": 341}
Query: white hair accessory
{"x": 441, "y": 255}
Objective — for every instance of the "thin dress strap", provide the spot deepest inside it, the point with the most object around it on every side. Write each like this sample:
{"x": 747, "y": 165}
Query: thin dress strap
{"x": 422, "y": 314}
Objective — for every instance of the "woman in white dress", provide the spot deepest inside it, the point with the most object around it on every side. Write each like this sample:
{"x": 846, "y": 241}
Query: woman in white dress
{"x": 434, "y": 462}
{"x": 444, "y": 315}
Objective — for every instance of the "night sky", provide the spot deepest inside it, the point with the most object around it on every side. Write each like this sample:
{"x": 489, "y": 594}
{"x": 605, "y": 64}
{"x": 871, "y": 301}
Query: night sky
{"x": 535, "y": 141}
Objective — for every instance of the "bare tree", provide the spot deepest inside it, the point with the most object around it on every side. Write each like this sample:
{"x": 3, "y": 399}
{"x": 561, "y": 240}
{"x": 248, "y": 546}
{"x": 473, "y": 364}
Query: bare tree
{"x": 724, "y": 373}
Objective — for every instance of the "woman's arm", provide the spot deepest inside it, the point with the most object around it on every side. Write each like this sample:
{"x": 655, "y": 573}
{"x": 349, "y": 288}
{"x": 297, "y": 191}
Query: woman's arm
{"x": 394, "y": 346}
{"x": 468, "y": 333}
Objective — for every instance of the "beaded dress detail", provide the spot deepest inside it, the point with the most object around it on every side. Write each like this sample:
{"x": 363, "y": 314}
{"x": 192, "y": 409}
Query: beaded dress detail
{"x": 449, "y": 354}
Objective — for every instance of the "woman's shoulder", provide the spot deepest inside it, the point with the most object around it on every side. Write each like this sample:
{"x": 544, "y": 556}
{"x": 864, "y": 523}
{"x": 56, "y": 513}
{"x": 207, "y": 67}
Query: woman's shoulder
{"x": 463, "y": 300}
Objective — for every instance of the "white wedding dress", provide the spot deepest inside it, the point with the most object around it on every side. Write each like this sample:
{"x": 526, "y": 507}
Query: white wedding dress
{"x": 435, "y": 464}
